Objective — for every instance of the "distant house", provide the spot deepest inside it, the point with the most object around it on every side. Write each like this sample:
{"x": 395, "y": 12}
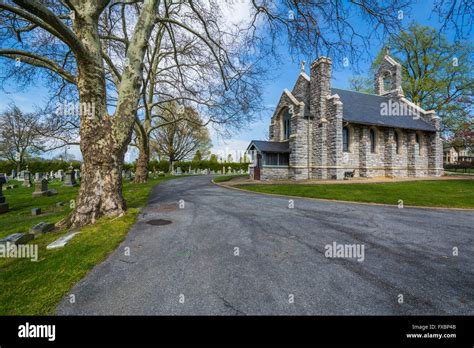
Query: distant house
{"x": 452, "y": 156}
{"x": 320, "y": 132}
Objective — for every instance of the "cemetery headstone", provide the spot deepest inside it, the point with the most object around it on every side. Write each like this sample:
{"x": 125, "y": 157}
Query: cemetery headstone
{"x": 41, "y": 188}
{"x": 60, "y": 174}
{"x": 42, "y": 227}
{"x": 26, "y": 178}
{"x": 3, "y": 203}
{"x": 17, "y": 238}
{"x": 36, "y": 211}
{"x": 77, "y": 173}
{"x": 69, "y": 179}
{"x": 178, "y": 171}
{"x": 61, "y": 242}
{"x": 13, "y": 176}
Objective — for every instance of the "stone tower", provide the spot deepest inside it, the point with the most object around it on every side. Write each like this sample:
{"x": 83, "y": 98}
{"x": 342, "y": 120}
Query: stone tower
{"x": 388, "y": 78}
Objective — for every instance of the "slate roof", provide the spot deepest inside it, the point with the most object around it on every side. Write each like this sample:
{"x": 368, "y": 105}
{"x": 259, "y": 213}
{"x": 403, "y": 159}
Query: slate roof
{"x": 270, "y": 146}
{"x": 365, "y": 108}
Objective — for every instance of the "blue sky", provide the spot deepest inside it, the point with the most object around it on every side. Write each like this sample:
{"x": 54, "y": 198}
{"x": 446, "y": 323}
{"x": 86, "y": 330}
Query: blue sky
{"x": 285, "y": 76}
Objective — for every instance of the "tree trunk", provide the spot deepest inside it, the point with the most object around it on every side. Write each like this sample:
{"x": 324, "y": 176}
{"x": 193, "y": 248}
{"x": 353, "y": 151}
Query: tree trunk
{"x": 104, "y": 139}
{"x": 141, "y": 172}
{"x": 100, "y": 193}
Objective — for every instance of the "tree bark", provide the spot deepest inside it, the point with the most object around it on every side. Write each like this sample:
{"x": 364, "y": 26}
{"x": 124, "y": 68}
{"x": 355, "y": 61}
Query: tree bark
{"x": 141, "y": 172}
{"x": 100, "y": 193}
{"x": 104, "y": 139}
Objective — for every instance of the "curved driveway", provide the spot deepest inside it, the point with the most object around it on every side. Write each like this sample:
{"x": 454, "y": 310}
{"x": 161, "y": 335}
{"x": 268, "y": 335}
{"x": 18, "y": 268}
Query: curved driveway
{"x": 190, "y": 266}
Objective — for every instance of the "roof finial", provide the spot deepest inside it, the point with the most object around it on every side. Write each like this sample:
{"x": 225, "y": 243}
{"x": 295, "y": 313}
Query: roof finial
{"x": 302, "y": 65}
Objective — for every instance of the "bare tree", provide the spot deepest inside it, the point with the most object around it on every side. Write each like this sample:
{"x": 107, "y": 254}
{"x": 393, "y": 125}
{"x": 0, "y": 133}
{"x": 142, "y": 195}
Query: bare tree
{"x": 180, "y": 135}
{"x": 455, "y": 15}
{"x": 18, "y": 136}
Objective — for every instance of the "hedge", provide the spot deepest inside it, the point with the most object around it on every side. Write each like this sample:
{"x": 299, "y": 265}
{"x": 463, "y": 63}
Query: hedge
{"x": 461, "y": 165}
{"x": 154, "y": 166}
{"x": 39, "y": 166}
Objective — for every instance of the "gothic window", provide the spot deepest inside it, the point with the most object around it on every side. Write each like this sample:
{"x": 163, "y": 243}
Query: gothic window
{"x": 387, "y": 82}
{"x": 345, "y": 139}
{"x": 372, "y": 140}
{"x": 397, "y": 141}
{"x": 417, "y": 139}
{"x": 286, "y": 124}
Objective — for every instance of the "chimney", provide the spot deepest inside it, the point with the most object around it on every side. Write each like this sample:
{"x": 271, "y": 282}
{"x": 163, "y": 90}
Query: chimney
{"x": 320, "y": 86}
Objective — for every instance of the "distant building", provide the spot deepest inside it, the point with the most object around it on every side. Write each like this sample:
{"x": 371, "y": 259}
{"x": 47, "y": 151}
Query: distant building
{"x": 452, "y": 156}
{"x": 320, "y": 132}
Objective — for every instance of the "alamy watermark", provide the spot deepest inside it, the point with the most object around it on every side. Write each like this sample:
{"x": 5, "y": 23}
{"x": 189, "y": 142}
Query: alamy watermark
{"x": 22, "y": 251}
{"x": 346, "y": 251}
{"x": 396, "y": 108}
{"x": 76, "y": 109}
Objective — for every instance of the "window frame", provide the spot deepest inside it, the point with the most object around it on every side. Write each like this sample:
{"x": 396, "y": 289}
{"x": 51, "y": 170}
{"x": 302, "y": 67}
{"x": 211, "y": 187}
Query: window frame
{"x": 396, "y": 139}
{"x": 373, "y": 141}
{"x": 286, "y": 123}
{"x": 279, "y": 156}
{"x": 346, "y": 139}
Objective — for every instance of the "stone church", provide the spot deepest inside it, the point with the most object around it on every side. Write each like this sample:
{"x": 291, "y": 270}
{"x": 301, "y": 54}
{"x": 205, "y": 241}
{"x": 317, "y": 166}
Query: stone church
{"x": 320, "y": 132}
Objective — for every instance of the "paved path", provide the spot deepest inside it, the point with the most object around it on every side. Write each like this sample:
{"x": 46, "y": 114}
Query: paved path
{"x": 281, "y": 257}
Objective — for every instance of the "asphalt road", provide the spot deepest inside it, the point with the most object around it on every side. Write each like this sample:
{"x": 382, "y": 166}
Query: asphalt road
{"x": 190, "y": 266}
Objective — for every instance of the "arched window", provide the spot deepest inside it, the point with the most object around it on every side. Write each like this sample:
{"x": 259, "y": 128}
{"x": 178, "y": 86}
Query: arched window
{"x": 397, "y": 141}
{"x": 372, "y": 140}
{"x": 286, "y": 124}
{"x": 345, "y": 139}
{"x": 417, "y": 139}
{"x": 387, "y": 82}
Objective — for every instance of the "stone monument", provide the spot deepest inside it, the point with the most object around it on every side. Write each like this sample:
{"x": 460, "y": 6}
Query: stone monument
{"x": 69, "y": 179}
{"x": 3, "y": 204}
{"x": 27, "y": 178}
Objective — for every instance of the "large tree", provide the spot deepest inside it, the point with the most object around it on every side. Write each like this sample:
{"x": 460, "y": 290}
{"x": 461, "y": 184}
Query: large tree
{"x": 73, "y": 27}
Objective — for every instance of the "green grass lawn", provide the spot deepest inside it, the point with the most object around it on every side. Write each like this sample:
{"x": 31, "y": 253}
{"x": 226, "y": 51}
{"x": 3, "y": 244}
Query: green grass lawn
{"x": 35, "y": 288}
{"x": 228, "y": 177}
{"x": 453, "y": 194}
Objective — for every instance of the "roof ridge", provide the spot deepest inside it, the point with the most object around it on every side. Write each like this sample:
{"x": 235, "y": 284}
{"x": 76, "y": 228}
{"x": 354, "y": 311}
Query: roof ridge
{"x": 349, "y": 90}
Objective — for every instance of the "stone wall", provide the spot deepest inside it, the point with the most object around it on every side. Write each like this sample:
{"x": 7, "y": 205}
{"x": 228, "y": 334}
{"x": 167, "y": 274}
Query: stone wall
{"x": 274, "y": 173}
{"x": 386, "y": 161}
{"x": 334, "y": 138}
{"x": 320, "y": 90}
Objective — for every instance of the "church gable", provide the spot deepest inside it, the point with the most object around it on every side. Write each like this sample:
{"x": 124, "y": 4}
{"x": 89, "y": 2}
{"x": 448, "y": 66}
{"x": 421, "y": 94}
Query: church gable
{"x": 283, "y": 121}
